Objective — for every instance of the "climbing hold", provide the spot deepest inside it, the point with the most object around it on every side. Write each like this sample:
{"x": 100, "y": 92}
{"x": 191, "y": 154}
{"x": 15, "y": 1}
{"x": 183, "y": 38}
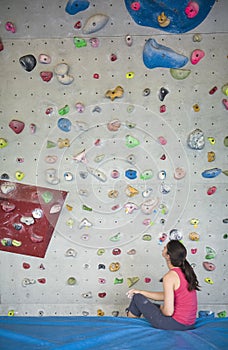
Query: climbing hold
{"x": 51, "y": 144}
{"x": 179, "y": 173}
{"x": 95, "y": 23}
{"x": 19, "y": 175}
{"x": 221, "y": 314}
{"x": 196, "y": 56}
{"x": 225, "y": 89}
{"x": 225, "y": 102}
{"x": 61, "y": 71}
{"x": 192, "y": 9}
{"x": 210, "y": 253}
{"x": 7, "y": 206}
{"x": 213, "y": 90}
{"x": 71, "y": 281}
{"x": 63, "y": 143}
{"x": 206, "y": 313}
{"x": 193, "y": 250}
{"x": 118, "y": 280}
{"x": 45, "y": 59}
{"x": 147, "y": 192}
{"x": 50, "y": 175}
{"x": 47, "y": 197}
{"x": 113, "y": 194}
{"x": 179, "y": 74}
{"x": 147, "y": 237}
{"x": 135, "y": 6}
{"x": 17, "y": 226}
{"x": 115, "y": 266}
{"x": 128, "y": 40}
{"x": 64, "y": 110}
{"x": 130, "y": 108}
{"x": 211, "y": 190}
{"x": 210, "y": 156}
{"x": 194, "y": 222}
{"x": 10, "y": 27}
{"x": 162, "y": 140}
{"x": 196, "y": 107}
{"x": 225, "y": 172}
{"x": 101, "y": 280}
{"x": 87, "y": 208}
{"x": 131, "y": 174}
{"x": 96, "y": 76}
{"x": 95, "y": 42}
{"x": 156, "y": 55}
{"x": 115, "y": 238}
{"x": 98, "y": 174}
{"x": 100, "y": 312}
{"x": 131, "y": 252}
{"x": 3, "y": 142}
{"x": 131, "y": 141}
{"x": 131, "y": 281}
{"x": 147, "y": 279}
{"x": 130, "y": 207}
{"x": 209, "y": 266}
{"x": 162, "y": 175}
{"x": 46, "y": 76}
{"x": 75, "y": 6}
{"x": 131, "y": 159}
{"x": 56, "y": 208}
{"x": 28, "y": 62}
{"x": 163, "y": 109}
{"x": 83, "y": 174}
{"x": 163, "y": 20}
{"x": 26, "y": 266}
{"x": 130, "y": 125}
{"x": 113, "y": 57}
{"x": 146, "y": 92}
{"x": 8, "y": 187}
{"x": 17, "y": 126}
{"x": 196, "y": 139}
{"x": 130, "y": 75}
{"x": 208, "y": 280}
{"x": 70, "y": 222}
{"x": 225, "y": 221}
{"x": 87, "y": 295}
{"x": 69, "y": 207}
{"x": 85, "y": 223}
{"x": 147, "y": 222}
{"x": 100, "y": 251}
{"x": 68, "y": 176}
{"x": 131, "y": 191}
{"x": 225, "y": 141}
{"x": 115, "y": 174}
{"x": 149, "y": 205}
{"x": 64, "y": 124}
{"x": 162, "y": 93}
{"x": 78, "y": 25}
{"x": 194, "y": 236}
{"x": 102, "y": 295}
{"x": 28, "y": 281}
{"x": 27, "y": 220}
{"x": 37, "y": 213}
{"x": 210, "y": 173}
{"x": 147, "y": 174}
{"x": 164, "y": 188}
{"x": 1, "y": 45}
{"x": 116, "y": 93}
{"x": 82, "y": 126}
{"x": 175, "y": 234}
{"x": 114, "y": 125}
{"x": 32, "y": 128}
{"x": 197, "y": 38}
{"x": 116, "y": 251}
{"x": 163, "y": 157}
{"x": 79, "y": 42}
{"x": 163, "y": 237}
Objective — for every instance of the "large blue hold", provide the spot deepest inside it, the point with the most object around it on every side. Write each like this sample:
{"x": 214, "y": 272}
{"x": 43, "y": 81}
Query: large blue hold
{"x": 156, "y": 55}
{"x": 75, "y": 6}
{"x": 175, "y": 10}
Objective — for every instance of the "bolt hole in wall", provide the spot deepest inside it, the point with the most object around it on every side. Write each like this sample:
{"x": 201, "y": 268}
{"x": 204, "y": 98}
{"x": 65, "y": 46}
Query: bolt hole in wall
{"x": 140, "y": 118}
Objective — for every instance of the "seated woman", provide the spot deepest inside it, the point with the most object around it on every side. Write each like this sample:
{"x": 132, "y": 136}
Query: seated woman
{"x": 178, "y": 311}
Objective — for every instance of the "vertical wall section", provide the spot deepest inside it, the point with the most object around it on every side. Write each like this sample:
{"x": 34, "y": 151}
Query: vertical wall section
{"x": 116, "y": 154}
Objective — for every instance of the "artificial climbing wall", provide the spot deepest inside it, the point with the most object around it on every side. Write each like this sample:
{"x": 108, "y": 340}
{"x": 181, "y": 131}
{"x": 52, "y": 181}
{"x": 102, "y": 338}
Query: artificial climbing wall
{"x": 98, "y": 175}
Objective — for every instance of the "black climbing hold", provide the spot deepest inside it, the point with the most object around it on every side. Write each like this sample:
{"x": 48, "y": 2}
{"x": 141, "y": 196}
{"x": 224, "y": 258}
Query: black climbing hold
{"x": 28, "y": 62}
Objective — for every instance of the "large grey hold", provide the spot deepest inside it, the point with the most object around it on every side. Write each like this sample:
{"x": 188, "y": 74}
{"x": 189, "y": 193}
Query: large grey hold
{"x": 196, "y": 139}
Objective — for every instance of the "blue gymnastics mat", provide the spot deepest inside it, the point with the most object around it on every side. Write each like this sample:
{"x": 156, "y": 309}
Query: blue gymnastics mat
{"x": 107, "y": 333}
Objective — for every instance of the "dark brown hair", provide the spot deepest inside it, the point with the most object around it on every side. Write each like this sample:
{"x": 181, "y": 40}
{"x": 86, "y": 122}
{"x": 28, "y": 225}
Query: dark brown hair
{"x": 177, "y": 253}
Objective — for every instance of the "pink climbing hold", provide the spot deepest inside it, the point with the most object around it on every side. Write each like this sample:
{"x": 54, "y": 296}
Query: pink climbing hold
{"x": 196, "y": 56}
{"x": 192, "y": 9}
{"x": 225, "y": 102}
{"x": 17, "y": 126}
{"x": 162, "y": 140}
{"x": 211, "y": 190}
{"x": 135, "y": 6}
{"x": 10, "y": 27}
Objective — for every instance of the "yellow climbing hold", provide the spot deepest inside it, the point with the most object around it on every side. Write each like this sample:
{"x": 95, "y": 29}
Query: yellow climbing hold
{"x": 131, "y": 281}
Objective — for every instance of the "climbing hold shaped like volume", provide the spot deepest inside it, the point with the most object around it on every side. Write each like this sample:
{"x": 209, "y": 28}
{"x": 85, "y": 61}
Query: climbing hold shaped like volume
{"x": 75, "y": 6}
{"x": 95, "y": 23}
{"x": 156, "y": 55}
{"x": 179, "y": 74}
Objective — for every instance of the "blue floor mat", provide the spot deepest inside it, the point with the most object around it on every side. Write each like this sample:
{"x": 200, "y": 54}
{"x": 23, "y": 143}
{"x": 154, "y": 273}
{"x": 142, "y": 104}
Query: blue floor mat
{"x": 107, "y": 333}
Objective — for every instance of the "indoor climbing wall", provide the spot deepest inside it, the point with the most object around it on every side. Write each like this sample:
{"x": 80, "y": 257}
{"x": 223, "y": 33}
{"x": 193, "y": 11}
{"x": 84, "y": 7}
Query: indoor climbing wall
{"x": 113, "y": 140}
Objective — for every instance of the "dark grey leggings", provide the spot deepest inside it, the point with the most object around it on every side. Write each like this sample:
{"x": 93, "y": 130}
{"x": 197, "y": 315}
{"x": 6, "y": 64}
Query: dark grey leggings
{"x": 140, "y": 305}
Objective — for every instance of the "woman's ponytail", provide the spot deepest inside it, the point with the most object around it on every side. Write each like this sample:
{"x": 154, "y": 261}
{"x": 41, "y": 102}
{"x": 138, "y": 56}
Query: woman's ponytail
{"x": 190, "y": 276}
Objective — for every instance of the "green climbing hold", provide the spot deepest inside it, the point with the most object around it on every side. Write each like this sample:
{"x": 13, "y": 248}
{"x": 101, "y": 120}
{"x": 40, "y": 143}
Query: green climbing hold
{"x": 51, "y": 144}
{"x": 85, "y": 207}
{"x": 47, "y": 197}
{"x": 100, "y": 251}
{"x": 79, "y": 42}
{"x": 131, "y": 141}
{"x": 225, "y": 172}
{"x": 118, "y": 280}
{"x": 225, "y": 236}
{"x": 64, "y": 110}
{"x": 115, "y": 238}
{"x": 147, "y": 174}
{"x": 71, "y": 281}
{"x": 147, "y": 237}
{"x": 179, "y": 74}
{"x": 210, "y": 253}
{"x": 221, "y": 314}
{"x": 131, "y": 281}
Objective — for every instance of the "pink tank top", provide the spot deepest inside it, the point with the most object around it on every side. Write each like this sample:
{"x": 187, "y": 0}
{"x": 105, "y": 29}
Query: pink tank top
{"x": 185, "y": 302}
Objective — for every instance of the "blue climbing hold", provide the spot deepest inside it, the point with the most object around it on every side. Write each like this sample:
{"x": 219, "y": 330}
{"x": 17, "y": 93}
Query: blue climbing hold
{"x": 131, "y": 174}
{"x": 176, "y": 12}
{"x": 210, "y": 173}
{"x": 156, "y": 55}
{"x": 64, "y": 124}
{"x": 75, "y": 6}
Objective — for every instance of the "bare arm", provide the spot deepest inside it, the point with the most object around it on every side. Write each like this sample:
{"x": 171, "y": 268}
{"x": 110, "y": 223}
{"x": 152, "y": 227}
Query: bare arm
{"x": 151, "y": 295}
{"x": 168, "y": 285}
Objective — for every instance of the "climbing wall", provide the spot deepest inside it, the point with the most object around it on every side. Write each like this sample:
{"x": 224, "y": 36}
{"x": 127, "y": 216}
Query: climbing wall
{"x": 99, "y": 172}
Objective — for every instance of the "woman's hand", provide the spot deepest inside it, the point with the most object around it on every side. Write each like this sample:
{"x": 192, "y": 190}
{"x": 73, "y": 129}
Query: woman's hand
{"x": 131, "y": 292}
